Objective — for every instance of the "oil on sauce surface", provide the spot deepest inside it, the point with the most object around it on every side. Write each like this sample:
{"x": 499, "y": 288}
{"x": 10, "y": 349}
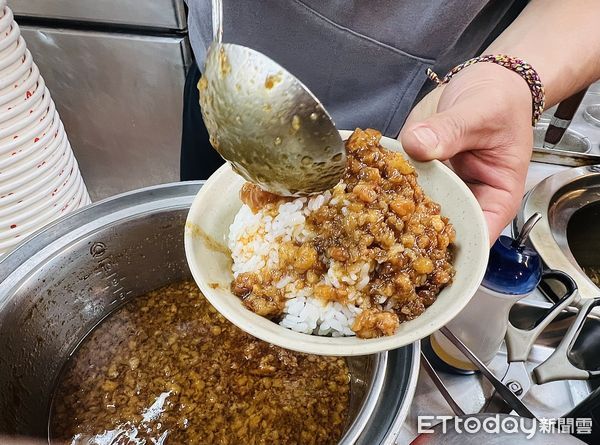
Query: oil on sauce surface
{"x": 166, "y": 368}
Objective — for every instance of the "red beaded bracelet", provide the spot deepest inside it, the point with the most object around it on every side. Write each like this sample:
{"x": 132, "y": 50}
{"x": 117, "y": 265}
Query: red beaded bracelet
{"x": 519, "y": 66}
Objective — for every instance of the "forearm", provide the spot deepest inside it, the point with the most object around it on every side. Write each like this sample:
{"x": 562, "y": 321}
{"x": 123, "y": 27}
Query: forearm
{"x": 560, "y": 39}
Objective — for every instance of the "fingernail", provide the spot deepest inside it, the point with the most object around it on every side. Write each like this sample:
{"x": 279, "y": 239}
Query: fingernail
{"x": 426, "y": 137}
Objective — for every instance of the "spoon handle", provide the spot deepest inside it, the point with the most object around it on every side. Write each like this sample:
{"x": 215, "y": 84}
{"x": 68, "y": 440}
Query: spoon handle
{"x": 217, "y": 20}
{"x": 562, "y": 119}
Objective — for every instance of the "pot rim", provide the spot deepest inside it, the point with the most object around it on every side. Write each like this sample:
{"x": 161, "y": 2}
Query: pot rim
{"x": 42, "y": 246}
{"x": 551, "y": 241}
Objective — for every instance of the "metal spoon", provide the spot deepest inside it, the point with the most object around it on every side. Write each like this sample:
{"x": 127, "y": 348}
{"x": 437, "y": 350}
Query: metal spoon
{"x": 265, "y": 122}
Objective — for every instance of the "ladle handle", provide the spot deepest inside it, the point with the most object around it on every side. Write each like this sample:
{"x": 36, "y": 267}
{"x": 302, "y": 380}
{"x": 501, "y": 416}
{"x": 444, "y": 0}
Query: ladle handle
{"x": 558, "y": 366}
{"x": 520, "y": 341}
{"x": 217, "y": 20}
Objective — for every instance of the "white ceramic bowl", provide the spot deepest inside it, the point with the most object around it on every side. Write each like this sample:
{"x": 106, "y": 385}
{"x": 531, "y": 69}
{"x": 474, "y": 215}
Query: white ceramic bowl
{"x": 76, "y": 193}
{"x": 25, "y": 172}
{"x": 47, "y": 207}
{"x": 36, "y": 177}
{"x": 23, "y": 111}
{"x": 24, "y": 78}
{"x": 217, "y": 203}
{"x": 34, "y": 202}
{"x": 6, "y": 18}
{"x": 28, "y": 120}
{"x": 56, "y": 206}
{"x": 75, "y": 198}
{"x": 12, "y": 61}
{"x": 41, "y": 185}
{"x": 70, "y": 191}
{"x": 17, "y": 79}
{"x": 14, "y": 69}
{"x": 9, "y": 43}
{"x": 29, "y": 131}
{"x": 85, "y": 197}
{"x": 28, "y": 147}
{"x": 78, "y": 197}
{"x": 55, "y": 202}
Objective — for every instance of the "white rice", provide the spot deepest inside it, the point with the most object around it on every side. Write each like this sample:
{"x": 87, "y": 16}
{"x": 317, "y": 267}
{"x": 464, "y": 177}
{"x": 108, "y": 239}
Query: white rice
{"x": 254, "y": 240}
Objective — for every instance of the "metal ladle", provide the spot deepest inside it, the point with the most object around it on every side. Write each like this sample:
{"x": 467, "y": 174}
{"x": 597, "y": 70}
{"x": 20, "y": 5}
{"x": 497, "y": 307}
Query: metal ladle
{"x": 265, "y": 122}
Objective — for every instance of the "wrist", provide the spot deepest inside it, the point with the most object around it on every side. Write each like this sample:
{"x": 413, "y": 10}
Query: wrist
{"x": 514, "y": 77}
{"x": 508, "y": 81}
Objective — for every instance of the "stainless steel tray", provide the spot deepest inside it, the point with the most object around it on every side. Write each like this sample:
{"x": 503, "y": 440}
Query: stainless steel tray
{"x": 550, "y": 400}
{"x": 579, "y": 126}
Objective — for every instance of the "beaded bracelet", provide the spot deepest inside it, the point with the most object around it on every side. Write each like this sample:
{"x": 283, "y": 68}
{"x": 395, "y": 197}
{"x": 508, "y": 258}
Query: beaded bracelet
{"x": 519, "y": 66}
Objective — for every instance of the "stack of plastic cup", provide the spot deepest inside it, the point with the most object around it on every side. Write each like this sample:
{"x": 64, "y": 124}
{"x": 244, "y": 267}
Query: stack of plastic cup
{"x": 39, "y": 176}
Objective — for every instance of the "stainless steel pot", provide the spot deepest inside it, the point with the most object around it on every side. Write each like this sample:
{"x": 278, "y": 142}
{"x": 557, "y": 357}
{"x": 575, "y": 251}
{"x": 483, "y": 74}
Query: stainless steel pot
{"x": 568, "y": 235}
{"x": 568, "y": 239}
{"x": 65, "y": 279}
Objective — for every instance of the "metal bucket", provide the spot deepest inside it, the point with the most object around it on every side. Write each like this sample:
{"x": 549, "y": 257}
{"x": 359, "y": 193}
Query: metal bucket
{"x": 567, "y": 237}
{"x": 59, "y": 284}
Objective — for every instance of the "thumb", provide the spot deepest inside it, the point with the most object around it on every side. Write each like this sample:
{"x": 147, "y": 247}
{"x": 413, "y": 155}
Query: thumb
{"x": 443, "y": 134}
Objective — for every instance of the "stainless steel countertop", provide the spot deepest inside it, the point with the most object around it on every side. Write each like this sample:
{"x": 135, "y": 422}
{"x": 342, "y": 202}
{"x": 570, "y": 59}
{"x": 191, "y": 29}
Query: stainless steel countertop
{"x": 579, "y": 126}
{"x": 549, "y": 400}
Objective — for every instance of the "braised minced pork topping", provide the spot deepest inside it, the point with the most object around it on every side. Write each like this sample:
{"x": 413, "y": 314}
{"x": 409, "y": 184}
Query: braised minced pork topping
{"x": 378, "y": 214}
{"x": 167, "y": 368}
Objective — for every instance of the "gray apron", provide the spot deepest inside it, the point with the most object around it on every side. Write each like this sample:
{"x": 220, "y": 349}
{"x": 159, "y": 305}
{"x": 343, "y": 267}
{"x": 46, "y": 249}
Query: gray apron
{"x": 364, "y": 59}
